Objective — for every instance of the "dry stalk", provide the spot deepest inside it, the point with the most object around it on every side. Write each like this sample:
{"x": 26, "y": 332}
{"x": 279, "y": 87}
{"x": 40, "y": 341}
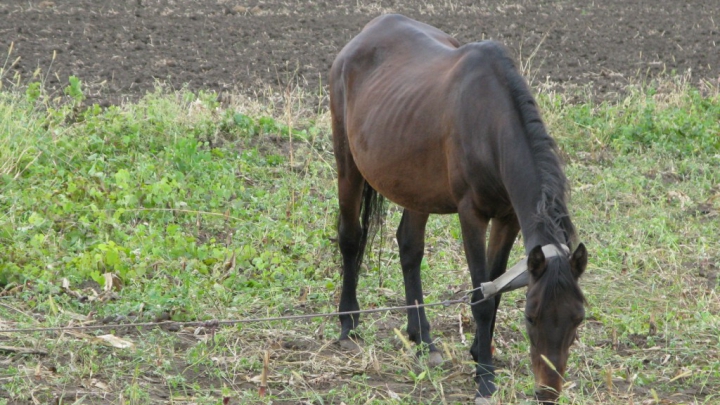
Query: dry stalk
{"x": 525, "y": 67}
{"x": 264, "y": 375}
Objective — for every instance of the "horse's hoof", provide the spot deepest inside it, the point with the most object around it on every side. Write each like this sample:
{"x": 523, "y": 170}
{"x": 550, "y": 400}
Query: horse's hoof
{"x": 435, "y": 359}
{"x": 349, "y": 345}
{"x": 484, "y": 401}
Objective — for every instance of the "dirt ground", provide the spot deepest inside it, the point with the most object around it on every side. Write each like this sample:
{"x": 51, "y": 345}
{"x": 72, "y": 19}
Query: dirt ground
{"x": 119, "y": 48}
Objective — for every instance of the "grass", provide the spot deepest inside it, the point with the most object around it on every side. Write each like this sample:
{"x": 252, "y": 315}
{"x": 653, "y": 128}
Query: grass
{"x": 203, "y": 211}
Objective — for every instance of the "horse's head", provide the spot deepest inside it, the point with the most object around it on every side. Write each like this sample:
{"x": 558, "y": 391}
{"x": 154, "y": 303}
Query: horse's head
{"x": 554, "y": 309}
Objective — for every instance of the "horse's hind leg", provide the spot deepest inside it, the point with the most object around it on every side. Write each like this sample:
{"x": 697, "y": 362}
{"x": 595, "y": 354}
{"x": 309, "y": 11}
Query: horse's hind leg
{"x": 411, "y": 239}
{"x": 349, "y": 239}
{"x": 350, "y": 233}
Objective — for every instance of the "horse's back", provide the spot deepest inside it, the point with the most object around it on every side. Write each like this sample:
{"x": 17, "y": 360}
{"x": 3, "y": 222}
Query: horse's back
{"x": 393, "y": 35}
{"x": 390, "y": 39}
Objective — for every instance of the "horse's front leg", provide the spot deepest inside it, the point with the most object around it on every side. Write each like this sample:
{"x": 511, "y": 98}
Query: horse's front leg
{"x": 503, "y": 233}
{"x": 474, "y": 225}
{"x": 411, "y": 240}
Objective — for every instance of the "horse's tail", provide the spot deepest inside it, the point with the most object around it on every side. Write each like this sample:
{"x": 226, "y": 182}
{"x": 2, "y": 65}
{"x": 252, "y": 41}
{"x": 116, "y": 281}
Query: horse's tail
{"x": 372, "y": 212}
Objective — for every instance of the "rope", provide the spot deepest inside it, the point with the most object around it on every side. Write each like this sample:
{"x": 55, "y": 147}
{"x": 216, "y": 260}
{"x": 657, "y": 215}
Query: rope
{"x": 215, "y": 323}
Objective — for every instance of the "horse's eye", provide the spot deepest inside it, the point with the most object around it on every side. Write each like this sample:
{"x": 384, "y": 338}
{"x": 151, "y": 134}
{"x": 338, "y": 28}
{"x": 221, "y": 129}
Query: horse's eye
{"x": 529, "y": 320}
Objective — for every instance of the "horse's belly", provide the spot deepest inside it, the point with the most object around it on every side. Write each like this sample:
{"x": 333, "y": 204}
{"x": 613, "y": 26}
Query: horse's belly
{"x": 410, "y": 181}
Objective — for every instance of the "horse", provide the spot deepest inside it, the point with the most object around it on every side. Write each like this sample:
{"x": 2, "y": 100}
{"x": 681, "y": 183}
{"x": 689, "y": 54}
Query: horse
{"x": 438, "y": 127}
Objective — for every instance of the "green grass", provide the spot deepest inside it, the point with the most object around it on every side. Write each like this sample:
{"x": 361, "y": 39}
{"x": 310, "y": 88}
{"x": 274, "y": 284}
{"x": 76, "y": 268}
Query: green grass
{"x": 219, "y": 212}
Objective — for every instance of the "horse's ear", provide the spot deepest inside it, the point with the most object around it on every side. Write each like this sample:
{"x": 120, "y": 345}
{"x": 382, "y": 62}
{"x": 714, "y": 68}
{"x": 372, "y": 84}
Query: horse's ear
{"x": 578, "y": 261}
{"x": 536, "y": 263}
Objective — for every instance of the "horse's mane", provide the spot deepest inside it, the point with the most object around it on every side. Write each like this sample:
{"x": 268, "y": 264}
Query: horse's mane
{"x": 553, "y": 219}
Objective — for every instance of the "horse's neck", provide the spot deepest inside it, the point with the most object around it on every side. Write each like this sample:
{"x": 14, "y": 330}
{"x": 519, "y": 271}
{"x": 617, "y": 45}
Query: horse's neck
{"x": 526, "y": 193}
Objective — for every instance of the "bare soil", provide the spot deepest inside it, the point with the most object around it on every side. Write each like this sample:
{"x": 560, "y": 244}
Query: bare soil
{"x": 120, "y": 48}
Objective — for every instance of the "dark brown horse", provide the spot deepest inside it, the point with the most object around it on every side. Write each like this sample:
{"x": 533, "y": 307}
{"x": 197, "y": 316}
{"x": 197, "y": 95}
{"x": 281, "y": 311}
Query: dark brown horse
{"x": 441, "y": 128}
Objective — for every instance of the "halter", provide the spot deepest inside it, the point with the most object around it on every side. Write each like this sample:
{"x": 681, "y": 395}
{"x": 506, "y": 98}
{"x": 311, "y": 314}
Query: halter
{"x": 516, "y": 277}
